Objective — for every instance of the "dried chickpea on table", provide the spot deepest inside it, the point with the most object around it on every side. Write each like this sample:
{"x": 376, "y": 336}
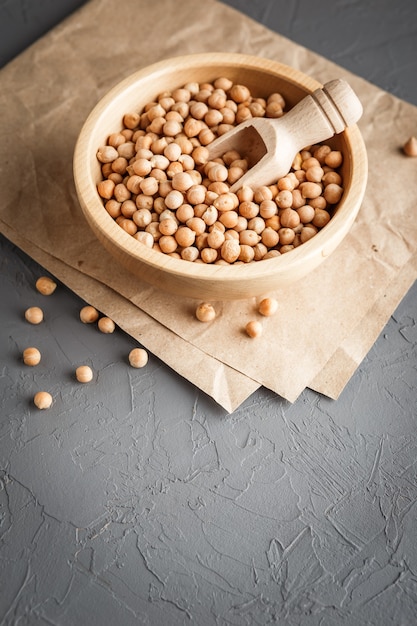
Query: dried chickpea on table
{"x": 160, "y": 187}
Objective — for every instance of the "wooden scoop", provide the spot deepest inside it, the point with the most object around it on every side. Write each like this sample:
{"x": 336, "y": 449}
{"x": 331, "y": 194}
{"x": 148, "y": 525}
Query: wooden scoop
{"x": 270, "y": 145}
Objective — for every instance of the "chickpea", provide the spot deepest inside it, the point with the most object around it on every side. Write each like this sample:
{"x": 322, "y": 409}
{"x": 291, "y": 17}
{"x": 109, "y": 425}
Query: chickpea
{"x": 128, "y": 225}
{"x": 286, "y": 248}
{"x": 217, "y": 172}
{"x": 190, "y": 253}
{"x": 321, "y": 218}
{"x": 273, "y": 222}
{"x": 234, "y": 173}
{"x": 286, "y": 236}
{"x": 196, "y": 194}
{"x": 113, "y": 208}
{"x": 184, "y": 212}
{"x": 205, "y": 312}
{"x": 149, "y": 186}
{"x": 128, "y": 208}
{"x": 89, "y": 314}
{"x": 274, "y": 109}
{"x": 270, "y": 237}
{"x": 126, "y": 150}
{"x": 131, "y": 120}
{"x": 306, "y": 213}
{"x": 257, "y": 224}
{"x": 308, "y": 232}
{"x": 168, "y": 226}
{"x": 106, "y": 325}
{"x": 289, "y": 218}
{"x": 138, "y": 357}
{"x": 332, "y": 193}
{"x": 84, "y": 374}
{"x": 410, "y": 147}
{"x": 248, "y": 209}
{"x": 106, "y": 188}
{"x": 119, "y": 166}
{"x": 310, "y": 190}
{"x": 200, "y": 155}
{"x": 45, "y": 285}
{"x": 145, "y": 238}
{"x": 184, "y": 236}
{"x": 314, "y": 173}
{"x": 287, "y": 183}
{"x": 249, "y": 237}
{"x": 332, "y": 177}
{"x": 209, "y": 255}
{"x": 334, "y": 158}
{"x": 247, "y": 253}
{"x": 182, "y": 181}
{"x": 31, "y": 356}
{"x": 168, "y": 243}
{"x": 215, "y": 239}
{"x": 321, "y": 152}
{"x": 253, "y": 329}
{"x": 174, "y": 199}
{"x": 142, "y": 217}
{"x": 107, "y": 154}
{"x": 172, "y": 151}
{"x": 239, "y": 93}
{"x": 268, "y": 306}
{"x": 116, "y": 140}
{"x": 197, "y": 224}
{"x": 259, "y": 251}
{"x": 226, "y": 202}
{"x": 42, "y": 400}
{"x": 284, "y": 199}
{"x": 267, "y": 209}
{"x": 318, "y": 203}
{"x": 34, "y": 315}
{"x": 297, "y": 199}
{"x": 230, "y": 250}
{"x": 229, "y": 219}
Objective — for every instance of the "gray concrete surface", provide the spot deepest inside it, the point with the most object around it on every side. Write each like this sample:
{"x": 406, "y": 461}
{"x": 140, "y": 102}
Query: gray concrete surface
{"x": 139, "y": 501}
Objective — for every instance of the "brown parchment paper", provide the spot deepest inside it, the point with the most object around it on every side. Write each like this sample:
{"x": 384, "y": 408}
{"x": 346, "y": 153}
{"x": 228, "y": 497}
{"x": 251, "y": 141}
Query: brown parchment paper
{"x": 318, "y": 337}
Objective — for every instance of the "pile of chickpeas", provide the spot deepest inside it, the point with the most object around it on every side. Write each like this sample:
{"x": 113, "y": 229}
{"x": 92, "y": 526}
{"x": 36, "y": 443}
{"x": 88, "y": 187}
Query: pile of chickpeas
{"x": 160, "y": 186}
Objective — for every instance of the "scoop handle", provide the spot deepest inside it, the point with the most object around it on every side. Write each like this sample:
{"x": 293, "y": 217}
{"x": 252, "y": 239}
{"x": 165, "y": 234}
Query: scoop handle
{"x": 324, "y": 113}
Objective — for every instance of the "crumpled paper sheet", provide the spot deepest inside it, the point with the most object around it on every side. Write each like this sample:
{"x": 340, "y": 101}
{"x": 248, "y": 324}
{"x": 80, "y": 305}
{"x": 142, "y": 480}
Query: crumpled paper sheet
{"x": 325, "y": 324}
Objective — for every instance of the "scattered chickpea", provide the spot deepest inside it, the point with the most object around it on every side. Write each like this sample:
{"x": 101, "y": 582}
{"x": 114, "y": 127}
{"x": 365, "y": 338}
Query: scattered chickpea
{"x": 268, "y": 306}
{"x": 34, "y": 315}
{"x": 205, "y": 312}
{"x": 42, "y": 400}
{"x": 106, "y": 325}
{"x": 84, "y": 374}
{"x": 89, "y": 314}
{"x": 45, "y": 285}
{"x": 253, "y": 329}
{"x": 138, "y": 357}
{"x": 410, "y": 147}
{"x": 31, "y": 356}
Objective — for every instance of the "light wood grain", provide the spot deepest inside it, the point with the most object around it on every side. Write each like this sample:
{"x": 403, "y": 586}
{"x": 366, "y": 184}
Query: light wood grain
{"x": 212, "y": 282}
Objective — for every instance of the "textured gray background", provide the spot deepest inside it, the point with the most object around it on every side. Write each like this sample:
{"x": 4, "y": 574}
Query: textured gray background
{"x": 137, "y": 500}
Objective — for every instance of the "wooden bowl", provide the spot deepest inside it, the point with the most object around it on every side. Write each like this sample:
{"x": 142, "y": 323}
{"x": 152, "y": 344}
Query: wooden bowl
{"x": 197, "y": 280}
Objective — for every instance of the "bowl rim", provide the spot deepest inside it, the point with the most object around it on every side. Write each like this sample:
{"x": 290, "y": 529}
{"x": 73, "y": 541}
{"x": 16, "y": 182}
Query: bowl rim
{"x": 94, "y": 211}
